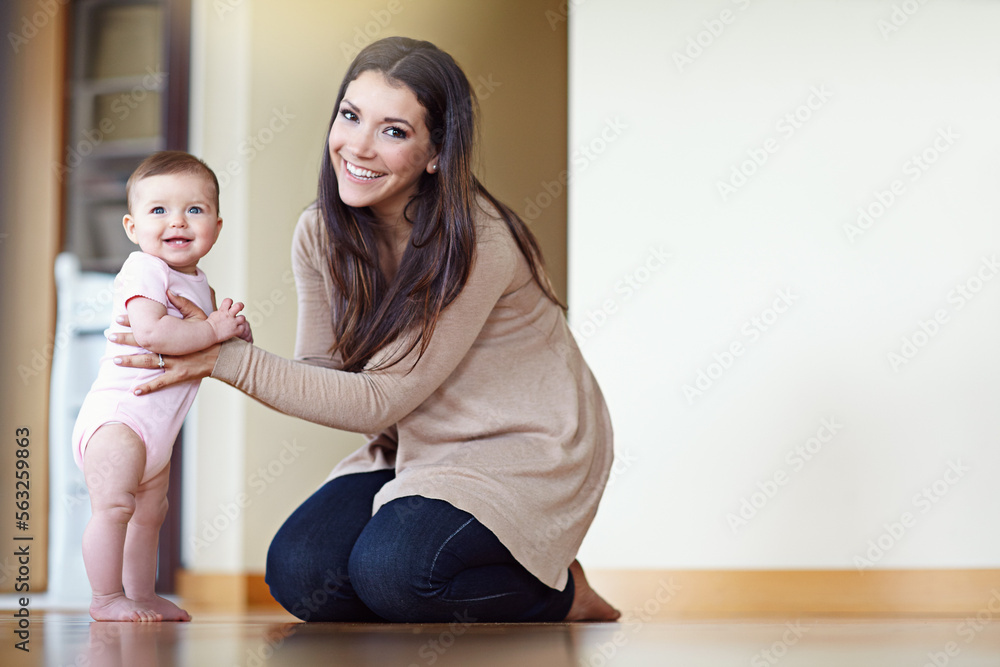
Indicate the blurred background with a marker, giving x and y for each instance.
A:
(775, 223)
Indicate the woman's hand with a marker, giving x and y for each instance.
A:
(192, 366)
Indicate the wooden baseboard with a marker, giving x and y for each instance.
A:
(216, 591)
(224, 591)
(677, 594)
(761, 593)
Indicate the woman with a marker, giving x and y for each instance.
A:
(426, 319)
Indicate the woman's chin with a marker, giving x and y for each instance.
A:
(353, 200)
(350, 195)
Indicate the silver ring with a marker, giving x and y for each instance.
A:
(161, 364)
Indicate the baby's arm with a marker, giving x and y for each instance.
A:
(159, 332)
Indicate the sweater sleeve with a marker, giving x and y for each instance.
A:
(314, 337)
(372, 400)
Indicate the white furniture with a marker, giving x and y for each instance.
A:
(84, 312)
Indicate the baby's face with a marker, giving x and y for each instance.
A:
(174, 218)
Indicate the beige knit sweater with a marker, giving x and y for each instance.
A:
(501, 417)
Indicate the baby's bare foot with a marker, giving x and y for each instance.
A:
(167, 609)
(120, 608)
(587, 604)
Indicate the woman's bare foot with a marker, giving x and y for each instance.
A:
(587, 604)
(167, 609)
(120, 608)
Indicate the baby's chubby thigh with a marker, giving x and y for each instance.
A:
(113, 467)
(157, 419)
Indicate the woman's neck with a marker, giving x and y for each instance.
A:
(392, 232)
(391, 239)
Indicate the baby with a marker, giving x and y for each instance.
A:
(122, 441)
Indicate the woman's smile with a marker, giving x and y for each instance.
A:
(361, 173)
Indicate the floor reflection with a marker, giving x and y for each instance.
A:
(259, 640)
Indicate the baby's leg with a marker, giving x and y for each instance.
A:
(113, 466)
(139, 568)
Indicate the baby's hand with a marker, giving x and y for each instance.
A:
(227, 322)
(245, 332)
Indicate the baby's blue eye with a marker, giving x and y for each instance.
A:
(158, 210)
(195, 210)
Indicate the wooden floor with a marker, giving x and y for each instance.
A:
(257, 639)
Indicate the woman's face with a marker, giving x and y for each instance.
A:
(380, 145)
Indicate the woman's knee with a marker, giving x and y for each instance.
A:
(392, 565)
(384, 579)
(305, 583)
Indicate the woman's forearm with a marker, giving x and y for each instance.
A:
(354, 402)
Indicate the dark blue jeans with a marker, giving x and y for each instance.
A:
(418, 560)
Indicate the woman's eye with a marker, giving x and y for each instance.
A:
(195, 210)
(159, 210)
(348, 114)
(396, 133)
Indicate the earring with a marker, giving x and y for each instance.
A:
(434, 168)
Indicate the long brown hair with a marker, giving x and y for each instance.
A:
(369, 312)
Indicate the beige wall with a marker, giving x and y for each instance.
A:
(28, 241)
(270, 71)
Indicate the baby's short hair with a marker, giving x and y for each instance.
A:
(171, 162)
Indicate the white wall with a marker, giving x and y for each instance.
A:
(888, 83)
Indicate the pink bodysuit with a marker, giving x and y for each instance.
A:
(156, 417)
